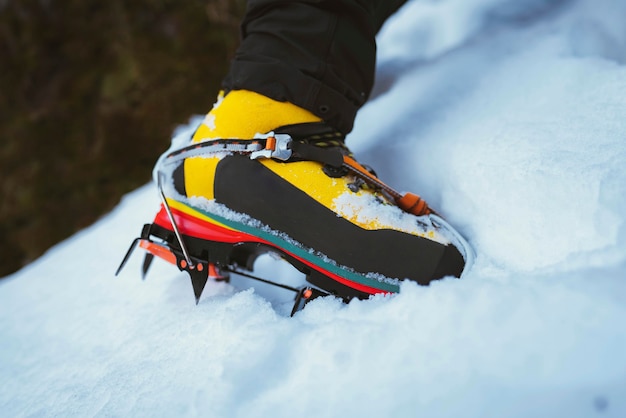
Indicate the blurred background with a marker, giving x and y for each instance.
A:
(90, 93)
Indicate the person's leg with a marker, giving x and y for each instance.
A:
(319, 55)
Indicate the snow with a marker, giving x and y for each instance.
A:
(508, 117)
(366, 209)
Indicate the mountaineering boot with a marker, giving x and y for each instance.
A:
(260, 175)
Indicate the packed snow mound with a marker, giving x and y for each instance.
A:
(508, 118)
(527, 121)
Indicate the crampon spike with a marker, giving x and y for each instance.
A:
(127, 256)
(199, 275)
(304, 296)
(147, 261)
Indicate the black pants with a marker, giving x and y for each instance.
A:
(317, 54)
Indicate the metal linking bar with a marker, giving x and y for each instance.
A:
(179, 237)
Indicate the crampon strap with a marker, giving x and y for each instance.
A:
(282, 147)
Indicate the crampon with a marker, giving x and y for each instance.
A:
(210, 245)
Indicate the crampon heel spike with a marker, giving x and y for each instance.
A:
(127, 256)
(147, 261)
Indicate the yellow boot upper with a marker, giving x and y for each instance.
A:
(242, 114)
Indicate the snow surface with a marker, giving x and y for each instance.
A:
(509, 116)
